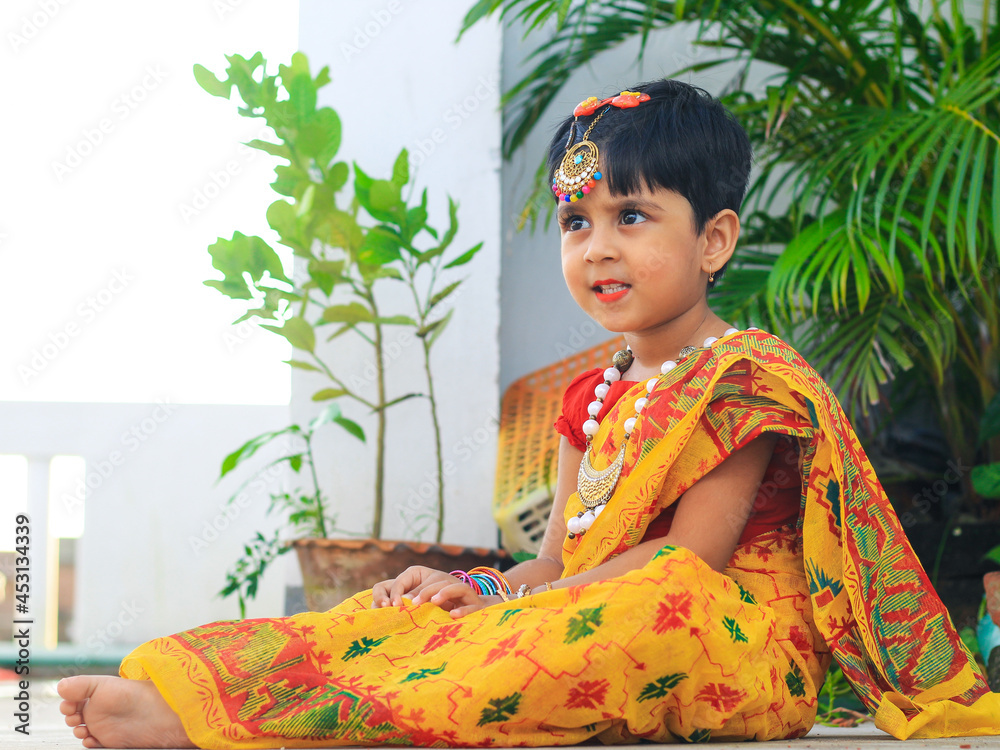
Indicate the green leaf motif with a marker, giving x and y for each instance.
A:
(699, 735)
(733, 628)
(584, 623)
(500, 709)
(746, 596)
(795, 682)
(423, 674)
(362, 647)
(661, 687)
(508, 613)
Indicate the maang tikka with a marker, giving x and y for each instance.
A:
(577, 173)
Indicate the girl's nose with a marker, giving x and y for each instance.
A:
(603, 246)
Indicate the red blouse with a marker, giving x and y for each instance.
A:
(777, 502)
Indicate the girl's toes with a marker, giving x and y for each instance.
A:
(73, 720)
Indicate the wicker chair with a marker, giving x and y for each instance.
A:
(529, 447)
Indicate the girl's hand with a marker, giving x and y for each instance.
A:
(457, 598)
(409, 583)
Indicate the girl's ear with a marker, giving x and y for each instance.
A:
(721, 233)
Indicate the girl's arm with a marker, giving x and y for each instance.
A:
(709, 521)
(548, 566)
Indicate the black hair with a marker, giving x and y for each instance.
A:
(682, 139)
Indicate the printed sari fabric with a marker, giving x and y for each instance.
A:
(671, 651)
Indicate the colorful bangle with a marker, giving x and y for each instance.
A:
(497, 578)
(484, 585)
(462, 576)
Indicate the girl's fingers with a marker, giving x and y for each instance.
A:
(406, 581)
(428, 590)
(455, 594)
(380, 594)
(467, 609)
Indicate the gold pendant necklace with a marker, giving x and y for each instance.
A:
(595, 487)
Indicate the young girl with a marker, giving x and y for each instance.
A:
(718, 534)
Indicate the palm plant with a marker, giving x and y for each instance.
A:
(874, 224)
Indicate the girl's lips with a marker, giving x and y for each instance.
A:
(610, 291)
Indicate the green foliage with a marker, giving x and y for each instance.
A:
(305, 511)
(344, 247)
(994, 555)
(986, 477)
(836, 703)
(873, 226)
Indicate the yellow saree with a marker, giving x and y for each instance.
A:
(671, 651)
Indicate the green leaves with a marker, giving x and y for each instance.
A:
(347, 245)
(244, 255)
(207, 80)
(986, 480)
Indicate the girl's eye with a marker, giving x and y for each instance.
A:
(632, 216)
(575, 223)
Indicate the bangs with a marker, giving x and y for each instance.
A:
(680, 140)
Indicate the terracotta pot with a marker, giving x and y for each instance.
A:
(335, 569)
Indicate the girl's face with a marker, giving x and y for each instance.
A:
(634, 263)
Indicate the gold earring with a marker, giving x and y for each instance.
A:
(711, 274)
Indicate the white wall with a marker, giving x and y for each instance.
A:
(157, 537)
(399, 80)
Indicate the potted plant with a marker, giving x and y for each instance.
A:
(343, 249)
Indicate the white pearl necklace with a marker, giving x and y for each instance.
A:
(578, 524)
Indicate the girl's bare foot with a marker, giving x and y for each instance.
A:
(112, 712)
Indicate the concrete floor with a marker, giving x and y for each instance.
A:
(49, 731)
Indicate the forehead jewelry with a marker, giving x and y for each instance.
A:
(577, 174)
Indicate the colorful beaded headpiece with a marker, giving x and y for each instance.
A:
(577, 173)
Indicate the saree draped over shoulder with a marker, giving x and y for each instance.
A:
(670, 651)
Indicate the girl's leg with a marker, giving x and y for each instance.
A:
(112, 712)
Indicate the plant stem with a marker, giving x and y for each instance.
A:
(948, 526)
(423, 313)
(380, 437)
(437, 440)
(320, 514)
